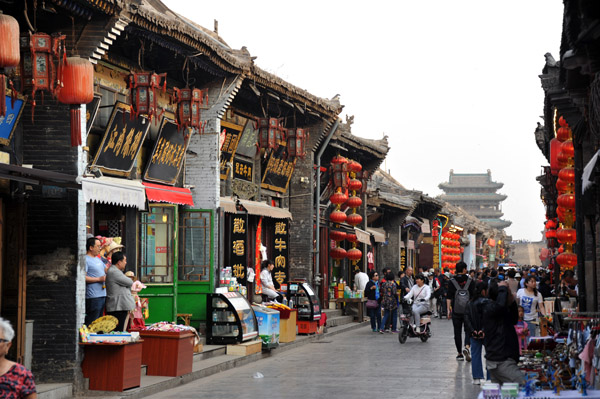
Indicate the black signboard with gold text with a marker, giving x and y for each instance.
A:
(280, 272)
(239, 246)
(402, 258)
(242, 169)
(166, 160)
(278, 171)
(232, 137)
(122, 141)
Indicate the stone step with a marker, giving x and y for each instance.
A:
(332, 312)
(339, 320)
(209, 351)
(54, 391)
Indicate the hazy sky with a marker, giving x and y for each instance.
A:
(453, 84)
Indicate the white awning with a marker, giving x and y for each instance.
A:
(362, 236)
(255, 208)
(378, 234)
(114, 191)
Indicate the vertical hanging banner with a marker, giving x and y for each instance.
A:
(280, 253)
(436, 253)
(239, 244)
(403, 258)
(258, 258)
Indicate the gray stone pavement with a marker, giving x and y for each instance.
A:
(355, 364)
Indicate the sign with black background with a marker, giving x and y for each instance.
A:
(402, 258)
(280, 272)
(238, 246)
(247, 145)
(278, 171)
(243, 170)
(232, 137)
(122, 141)
(166, 160)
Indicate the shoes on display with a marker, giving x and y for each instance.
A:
(460, 357)
(467, 353)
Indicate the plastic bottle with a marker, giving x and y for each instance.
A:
(285, 301)
(291, 303)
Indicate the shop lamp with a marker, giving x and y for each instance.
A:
(189, 104)
(296, 142)
(340, 175)
(142, 86)
(269, 132)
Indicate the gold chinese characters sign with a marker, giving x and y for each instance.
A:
(167, 156)
(280, 252)
(238, 254)
(122, 141)
(278, 171)
(233, 134)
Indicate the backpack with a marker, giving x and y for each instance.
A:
(461, 297)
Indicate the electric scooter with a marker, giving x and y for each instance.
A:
(406, 328)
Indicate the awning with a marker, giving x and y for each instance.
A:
(171, 195)
(425, 227)
(37, 176)
(111, 190)
(362, 236)
(378, 234)
(255, 208)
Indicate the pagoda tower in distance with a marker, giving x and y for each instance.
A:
(476, 194)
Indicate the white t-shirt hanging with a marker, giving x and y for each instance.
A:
(529, 302)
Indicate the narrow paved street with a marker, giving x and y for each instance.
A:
(356, 364)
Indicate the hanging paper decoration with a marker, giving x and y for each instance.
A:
(42, 64)
(77, 88)
(296, 142)
(565, 210)
(142, 88)
(450, 249)
(9, 54)
(338, 180)
(354, 203)
(190, 102)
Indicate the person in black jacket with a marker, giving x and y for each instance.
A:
(474, 327)
(500, 314)
(458, 319)
(372, 294)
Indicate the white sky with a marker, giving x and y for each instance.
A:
(454, 84)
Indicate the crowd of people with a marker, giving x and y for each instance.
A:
(493, 310)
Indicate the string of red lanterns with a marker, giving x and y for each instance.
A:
(339, 197)
(565, 234)
(354, 202)
(450, 249)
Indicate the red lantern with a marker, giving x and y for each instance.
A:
(563, 186)
(565, 215)
(354, 219)
(354, 166)
(563, 159)
(566, 236)
(142, 86)
(296, 139)
(354, 185)
(551, 233)
(337, 253)
(269, 132)
(567, 174)
(550, 224)
(337, 235)
(566, 201)
(339, 173)
(190, 102)
(568, 148)
(562, 122)
(354, 202)
(337, 217)
(351, 237)
(9, 53)
(567, 259)
(338, 198)
(354, 254)
(77, 88)
(563, 134)
(561, 249)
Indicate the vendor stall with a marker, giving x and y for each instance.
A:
(231, 319)
(302, 297)
(268, 326)
(168, 349)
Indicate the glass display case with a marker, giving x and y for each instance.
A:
(305, 300)
(230, 319)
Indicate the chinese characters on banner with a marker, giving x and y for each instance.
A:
(232, 137)
(166, 160)
(436, 252)
(239, 243)
(122, 141)
(402, 258)
(242, 170)
(258, 258)
(280, 253)
(278, 171)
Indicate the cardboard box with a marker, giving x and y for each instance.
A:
(245, 348)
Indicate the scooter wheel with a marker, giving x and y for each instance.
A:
(424, 337)
(403, 335)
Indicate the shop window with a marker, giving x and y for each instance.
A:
(195, 246)
(156, 245)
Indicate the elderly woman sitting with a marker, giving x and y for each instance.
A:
(15, 380)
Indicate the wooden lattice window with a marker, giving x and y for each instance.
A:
(195, 246)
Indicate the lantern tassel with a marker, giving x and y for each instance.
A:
(75, 125)
(2, 95)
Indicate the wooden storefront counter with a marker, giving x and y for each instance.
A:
(112, 366)
(168, 353)
(287, 326)
(359, 305)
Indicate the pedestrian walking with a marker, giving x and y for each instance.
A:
(373, 295)
(532, 302)
(95, 276)
(460, 290)
(501, 344)
(119, 301)
(389, 302)
(15, 380)
(474, 326)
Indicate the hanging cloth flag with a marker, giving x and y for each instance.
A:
(587, 172)
(258, 257)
